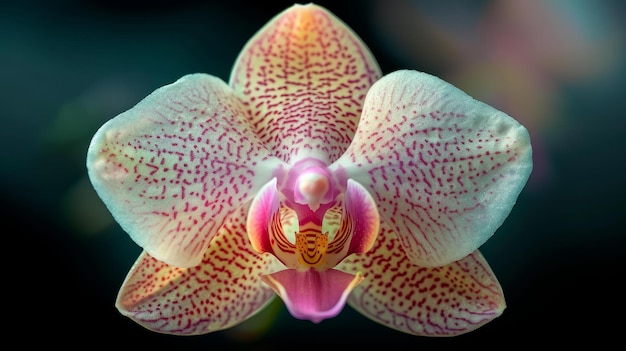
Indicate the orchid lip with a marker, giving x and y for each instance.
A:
(311, 294)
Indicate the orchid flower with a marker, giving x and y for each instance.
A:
(312, 177)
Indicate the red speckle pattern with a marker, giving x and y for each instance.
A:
(442, 301)
(173, 167)
(444, 169)
(221, 292)
(304, 77)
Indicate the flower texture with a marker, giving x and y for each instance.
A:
(310, 177)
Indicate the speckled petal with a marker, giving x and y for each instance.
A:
(442, 301)
(224, 290)
(444, 169)
(304, 76)
(174, 166)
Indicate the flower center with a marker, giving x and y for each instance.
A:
(311, 246)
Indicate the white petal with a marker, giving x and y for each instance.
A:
(444, 169)
(174, 166)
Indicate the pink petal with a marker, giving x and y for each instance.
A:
(265, 229)
(263, 208)
(360, 209)
(311, 294)
(442, 301)
(304, 77)
(444, 169)
(224, 290)
(174, 166)
(359, 225)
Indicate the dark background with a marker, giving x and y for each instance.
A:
(557, 66)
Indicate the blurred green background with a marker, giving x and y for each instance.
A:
(557, 66)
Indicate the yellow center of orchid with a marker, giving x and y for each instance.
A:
(311, 247)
